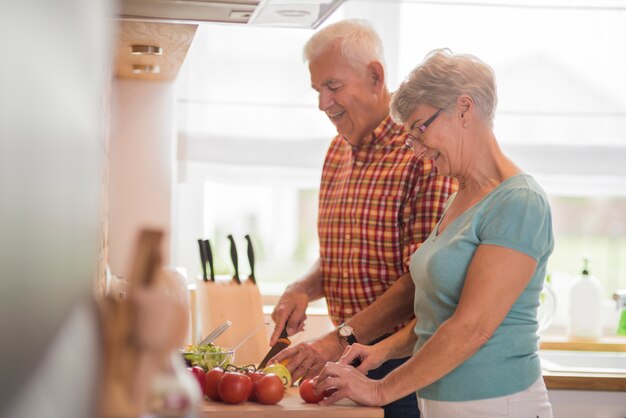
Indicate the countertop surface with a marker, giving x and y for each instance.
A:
(608, 343)
(584, 380)
(292, 406)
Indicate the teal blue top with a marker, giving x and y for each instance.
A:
(515, 215)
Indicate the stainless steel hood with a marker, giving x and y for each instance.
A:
(285, 13)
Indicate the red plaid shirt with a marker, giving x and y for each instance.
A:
(377, 204)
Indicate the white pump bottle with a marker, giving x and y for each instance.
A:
(585, 306)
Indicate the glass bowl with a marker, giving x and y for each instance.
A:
(209, 360)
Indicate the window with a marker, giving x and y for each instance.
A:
(252, 142)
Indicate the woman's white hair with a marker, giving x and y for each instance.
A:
(356, 39)
(440, 79)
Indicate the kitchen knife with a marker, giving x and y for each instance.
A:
(209, 257)
(251, 259)
(233, 257)
(282, 343)
(202, 259)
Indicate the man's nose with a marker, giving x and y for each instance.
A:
(324, 101)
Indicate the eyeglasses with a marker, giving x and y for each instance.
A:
(412, 138)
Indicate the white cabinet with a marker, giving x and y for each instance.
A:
(587, 404)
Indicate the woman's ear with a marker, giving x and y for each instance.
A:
(376, 73)
(465, 104)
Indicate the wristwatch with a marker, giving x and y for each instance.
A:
(346, 332)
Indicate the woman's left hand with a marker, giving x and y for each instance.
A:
(348, 383)
(369, 356)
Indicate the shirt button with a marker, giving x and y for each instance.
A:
(348, 236)
(359, 163)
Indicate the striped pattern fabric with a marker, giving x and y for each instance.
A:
(377, 203)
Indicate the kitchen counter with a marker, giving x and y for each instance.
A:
(608, 343)
(292, 406)
(584, 380)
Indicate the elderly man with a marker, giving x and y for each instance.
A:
(377, 202)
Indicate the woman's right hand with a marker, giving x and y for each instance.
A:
(369, 356)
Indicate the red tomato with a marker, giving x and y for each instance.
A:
(254, 377)
(200, 376)
(234, 387)
(307, 393)
(212, 380)
(269, 389)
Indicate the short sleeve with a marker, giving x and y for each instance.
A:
(520, 219)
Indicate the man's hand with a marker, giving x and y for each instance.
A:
(307, 359)
(290, 310)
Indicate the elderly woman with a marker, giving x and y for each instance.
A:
(477, 278)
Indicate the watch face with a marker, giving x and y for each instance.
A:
(345, 330)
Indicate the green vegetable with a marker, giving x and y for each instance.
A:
(207, 356)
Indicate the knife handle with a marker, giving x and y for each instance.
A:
(202, 259)
(251, 259)
(209, 257)
(283, 334)
(233, 257)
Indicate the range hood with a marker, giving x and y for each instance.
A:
(276, 13)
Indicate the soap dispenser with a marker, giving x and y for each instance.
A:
(585, 305)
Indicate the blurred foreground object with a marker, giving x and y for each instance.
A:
(140, 335)
(51, 155)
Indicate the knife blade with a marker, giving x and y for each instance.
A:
(233, 257)
(282, 343)
(209, 257)
(251, 259)
(202, 259)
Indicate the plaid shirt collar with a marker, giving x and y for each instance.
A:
(379, 137)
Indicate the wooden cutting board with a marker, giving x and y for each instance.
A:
(225, 300)
(292, 406)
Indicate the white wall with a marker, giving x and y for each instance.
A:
(141, 165)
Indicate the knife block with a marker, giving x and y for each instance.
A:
(222, 301)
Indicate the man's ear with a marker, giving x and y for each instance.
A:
(376, 73)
